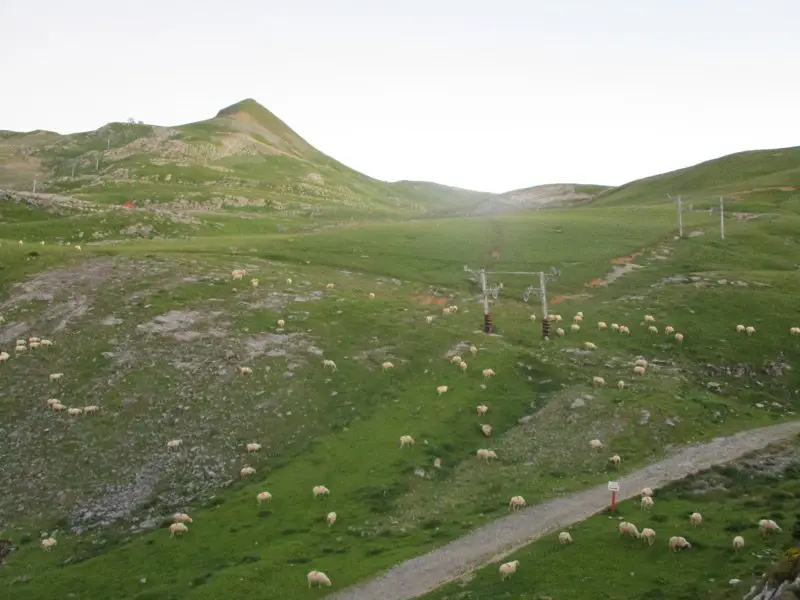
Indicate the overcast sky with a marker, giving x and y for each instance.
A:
(490, 95)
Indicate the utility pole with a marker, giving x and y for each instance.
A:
(680, 215)
(34, 186)
(97, 162)
(73, 169)
(544, 277)
(486, 290)
(108, 144)
(722, 217)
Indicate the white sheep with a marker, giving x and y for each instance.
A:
(640, 362)
(52, 401)
(738, 543)
(740, 328)
(437, 463)
(319, 578)
(589, 346)
(649, 535)
(74, 412)
(750, 330)
(57, 406)
(281, 323)
(624, 330)
(20, 349)
(487, 430)
(442, 389)
(174, 444)
(48, 543)
(598, 381)
(626, 528)
(46, 343)
(330, 286)
(577, 319)
(646, 491)
(579, 313)
(516, 503)
(679, 337)
(33, 345)
(4, 356)
(253, 447)
(247, 472)
(331, 518)
(564, 537)
(386, 366)
(638, 370)
(533, 317)
(446, 312)
(695, 519)
(320, 490)
(560, 332)
(614, 327)
(245, 370)
(56, 376)
(595, 444)
(462, 365)
(574, 327)
(263, 497)
(794, 331)
(488, 373)
(615, 460)
(429, 319)
(288, 281)
(652, 329)
(456, 359)
(406, 440)
(768, 526)
(329, 363)
(371, 296)
(482, 408)
(238, 273)
(486, 454)
(602, 325)
(78, 247)
(181, 518)
(177, 529)
(649, 319)
(678, 543)
(254, 282)
(647, 502)
(621, 384)
(508, 568)
(669, 330)
(473, 350)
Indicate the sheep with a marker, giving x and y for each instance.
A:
(2, 319)
(20, 242)
(254, 282)
(579, 313)
(57, 406)
(649, 319)
(638, 370)
(177, 529)
(92, 408)
(560, 332)
(669, 330)
(740, 329)
(647, 503)
(77, 247)
(574, 327)
(329, 363)
(456, 359)
(181, 518)
(595, 444)
(614, 327)
(602, 325)
(750, 330)
(4, 356)
(330, 286)
(486, 454)
(446, 312)
(263, 497)
(56, 376)
(245, 370)
(319, 578)
(533, 317)
(695, 519)
(482, 408)
(47, 543)
(768, 526)
(473, 350)
(738, 543)
(564, 537)
(253, 447)
(33, 345)
(74, 412)
(516, 503)
(281, 323)
(238, 273)
(488, 373)
(247, 472)
(506, 569)
(577, 319)
(288, 281)
(331, 518)
(615, 460)
(649, 535)
(624, 330)
(640, 362)
(442, 389)
(647, 491)
(589, 346)
(794, 331)
(320, 490)
(598, 381)
(371, 296)
(621, 384)
(626, 528)
(406, 440)
(678, 543)
(46, 343)
(429, 319)
(20, 349)
(652, 329)
(463, 366)
(52, 401)
(487, 430)
(386, 366)
(558, 318)
(679, 337)
(437, 463)
(174, 444)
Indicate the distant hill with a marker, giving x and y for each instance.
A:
(540, 196)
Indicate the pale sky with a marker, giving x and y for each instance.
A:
(491, 95)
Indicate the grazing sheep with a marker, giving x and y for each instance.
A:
(371, 296)
(20, 349)
(678, 543)
(488, 373)
(558, 318)
(330, 286)
(406, 440)
(533, 317)
(320, 490)
(506, 569)
(695, 519)
(77, 247)
(640, 362)
(288, 281)
(621, 384)
(329, 363)
(648, 535)
(602, 325)
(652, 329)
(740, 329)
(92, 408)
(577, 319)
(177, 529)
(263, 497)
(574, 327)
(768, 526)
(564, 537)
(281, 323)
(20, 242)
(482, 408)
(238, 273)
(794, 331)
(74, 412)
(516, 503)
(456, 359)
(429, 319)
(245, 370)
(598, 381)
(437, 463)
(52, 401)
(750, 330)
(596, 444)
(253, 447)
(473, 350)
(649, 319)
(254, 282)
(738, 543)
(647, 491)
(679, 337)
(615, 460)
(4, 356)
(561, 332)
(614, 327)
(181, 518)
(386, 366)
(331, 518)
(638, 370)
(48, 543)
(442, 389)
(319, 578)
(46, 343)
(624, 330)
(56, 376)
(589, 346)
(486, 454)
(33, 345)
(57, 406)
(247, 472)
(446, 312)
(462, 365)
(626, 528)
(174, 444)
(647, 503)
(487, 430)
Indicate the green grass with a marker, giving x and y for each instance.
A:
(601, 564)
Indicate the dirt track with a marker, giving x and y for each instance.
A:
(423, 574)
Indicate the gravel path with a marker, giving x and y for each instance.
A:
(425, 573)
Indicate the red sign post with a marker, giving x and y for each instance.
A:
(613, 487)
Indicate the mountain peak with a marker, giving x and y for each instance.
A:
(248, 105)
